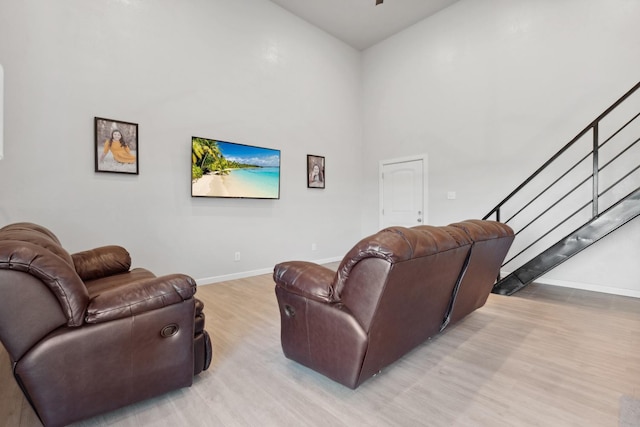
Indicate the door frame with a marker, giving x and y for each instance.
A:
(425, 187)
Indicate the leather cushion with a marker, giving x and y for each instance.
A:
(140, 297)
(37, 237)
(101, 262)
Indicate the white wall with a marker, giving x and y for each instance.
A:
(490, 90)
(1, 111)
(244, 71)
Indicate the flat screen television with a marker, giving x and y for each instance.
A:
(228, 169)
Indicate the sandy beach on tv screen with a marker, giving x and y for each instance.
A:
(214, 185)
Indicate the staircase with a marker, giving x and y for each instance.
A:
(587, 190)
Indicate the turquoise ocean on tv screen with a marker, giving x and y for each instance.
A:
(264, 182)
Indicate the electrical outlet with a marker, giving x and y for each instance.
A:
(236, 256)
(451, 195)
(314, 247)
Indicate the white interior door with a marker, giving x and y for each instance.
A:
(403, 187)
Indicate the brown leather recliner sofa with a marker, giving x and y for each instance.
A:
(85, 334)
(391, 292)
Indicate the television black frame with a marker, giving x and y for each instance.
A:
(253, 146)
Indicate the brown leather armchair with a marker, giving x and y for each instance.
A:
(86, 334)
(391, 292)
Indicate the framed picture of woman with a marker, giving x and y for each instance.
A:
(116, 146)
(315, 171)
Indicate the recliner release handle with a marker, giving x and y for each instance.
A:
(289, 311)
(169, 330)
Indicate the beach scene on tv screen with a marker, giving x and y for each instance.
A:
(227, 169)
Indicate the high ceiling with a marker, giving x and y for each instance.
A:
(360, 23)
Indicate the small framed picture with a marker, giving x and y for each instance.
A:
(116, 146)
(315, 171)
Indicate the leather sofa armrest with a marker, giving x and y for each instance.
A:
(101, 262)
(306, 279)
(140, 297)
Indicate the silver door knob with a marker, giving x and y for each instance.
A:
(419, 219)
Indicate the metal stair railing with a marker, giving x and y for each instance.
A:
(594, 171)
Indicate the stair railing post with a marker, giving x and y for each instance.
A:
(595, 212)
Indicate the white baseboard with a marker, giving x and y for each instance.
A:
(552, 282)
(584, 286)
(588, 287)
(251, 273)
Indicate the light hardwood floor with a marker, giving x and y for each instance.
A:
(546, 356)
